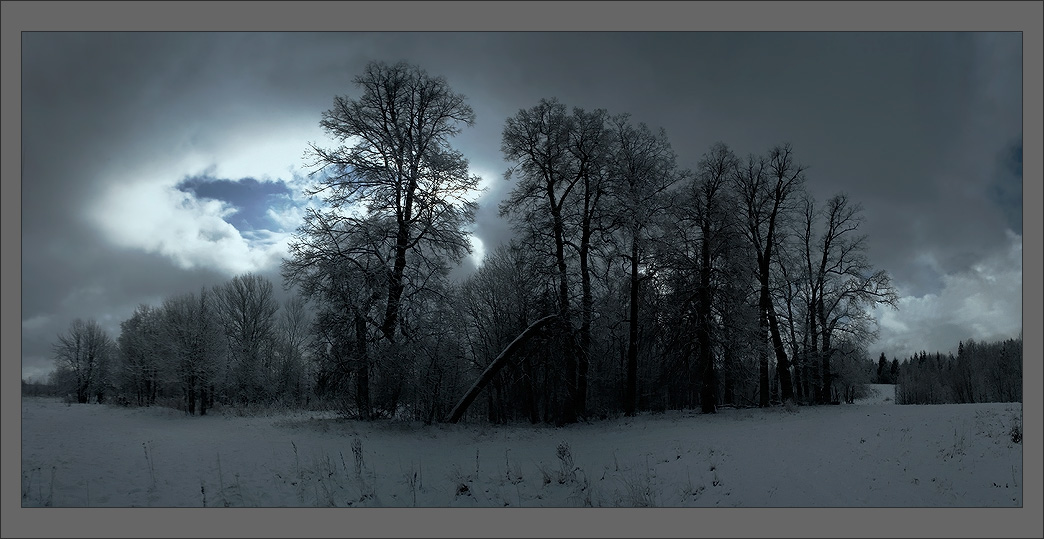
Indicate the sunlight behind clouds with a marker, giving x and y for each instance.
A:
(138, 210)
(478, 250)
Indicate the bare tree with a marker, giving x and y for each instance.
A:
(246, 307)
(194, 349)
(337, 263)
(292, 328)
(398, 200)
(842, 286)
(537, 142)
(709, 210)
(643, 171)
(139, 353)
(81, 356)
(589, 146)
(399, 167)
(765, 186)
(496, 304)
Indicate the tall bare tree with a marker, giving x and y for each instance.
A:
(537, 142)
(590, 146)
(710, 212)
(398, 200)
(766, 186)
(842, 285)
(643, 170)
(81, 357)
(192, 336)
(139, 353)
(395, 163)
(246, 307)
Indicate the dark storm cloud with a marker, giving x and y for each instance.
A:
(1006, 189)
(920, 128)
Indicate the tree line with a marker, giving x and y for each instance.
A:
(980, 372)
(631, 284)
(230, 344)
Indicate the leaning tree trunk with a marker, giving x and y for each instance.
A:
(495, 367)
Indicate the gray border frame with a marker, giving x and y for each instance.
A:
(18, 16)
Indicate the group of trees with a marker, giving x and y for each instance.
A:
(980, 372)
(631, 284)
(652, 286)
(225, 344)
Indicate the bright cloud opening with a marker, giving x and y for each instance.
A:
(158, 218)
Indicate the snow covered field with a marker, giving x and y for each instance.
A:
(871, 454)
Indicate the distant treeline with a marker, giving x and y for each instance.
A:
(980, 372)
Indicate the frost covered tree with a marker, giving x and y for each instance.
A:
(194, 348)
(245, 307)
(643, 170)
(397, 201)
(395, 164)
(536, 141)
(82, 358)
(140, 355)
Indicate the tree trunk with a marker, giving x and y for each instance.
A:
(631, 389)
(362, 379)
(827, 379)
(583, 357)
(564, 319)
(395, 288)
(786, 385)
(708, 390)
(763, 370)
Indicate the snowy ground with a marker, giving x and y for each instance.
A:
(871, 454)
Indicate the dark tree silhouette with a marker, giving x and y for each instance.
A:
(765, 187)
(400, 167)
(81, 355)
(643, 170)
(398, 202)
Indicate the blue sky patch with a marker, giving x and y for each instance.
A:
(251, 199)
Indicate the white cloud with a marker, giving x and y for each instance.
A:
(983, 303)
(156, 217)
(248, 153)
(138, 209)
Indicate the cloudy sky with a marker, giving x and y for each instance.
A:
(157, 163)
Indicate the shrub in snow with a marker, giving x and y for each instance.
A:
(565, 457)
(1016, 431)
